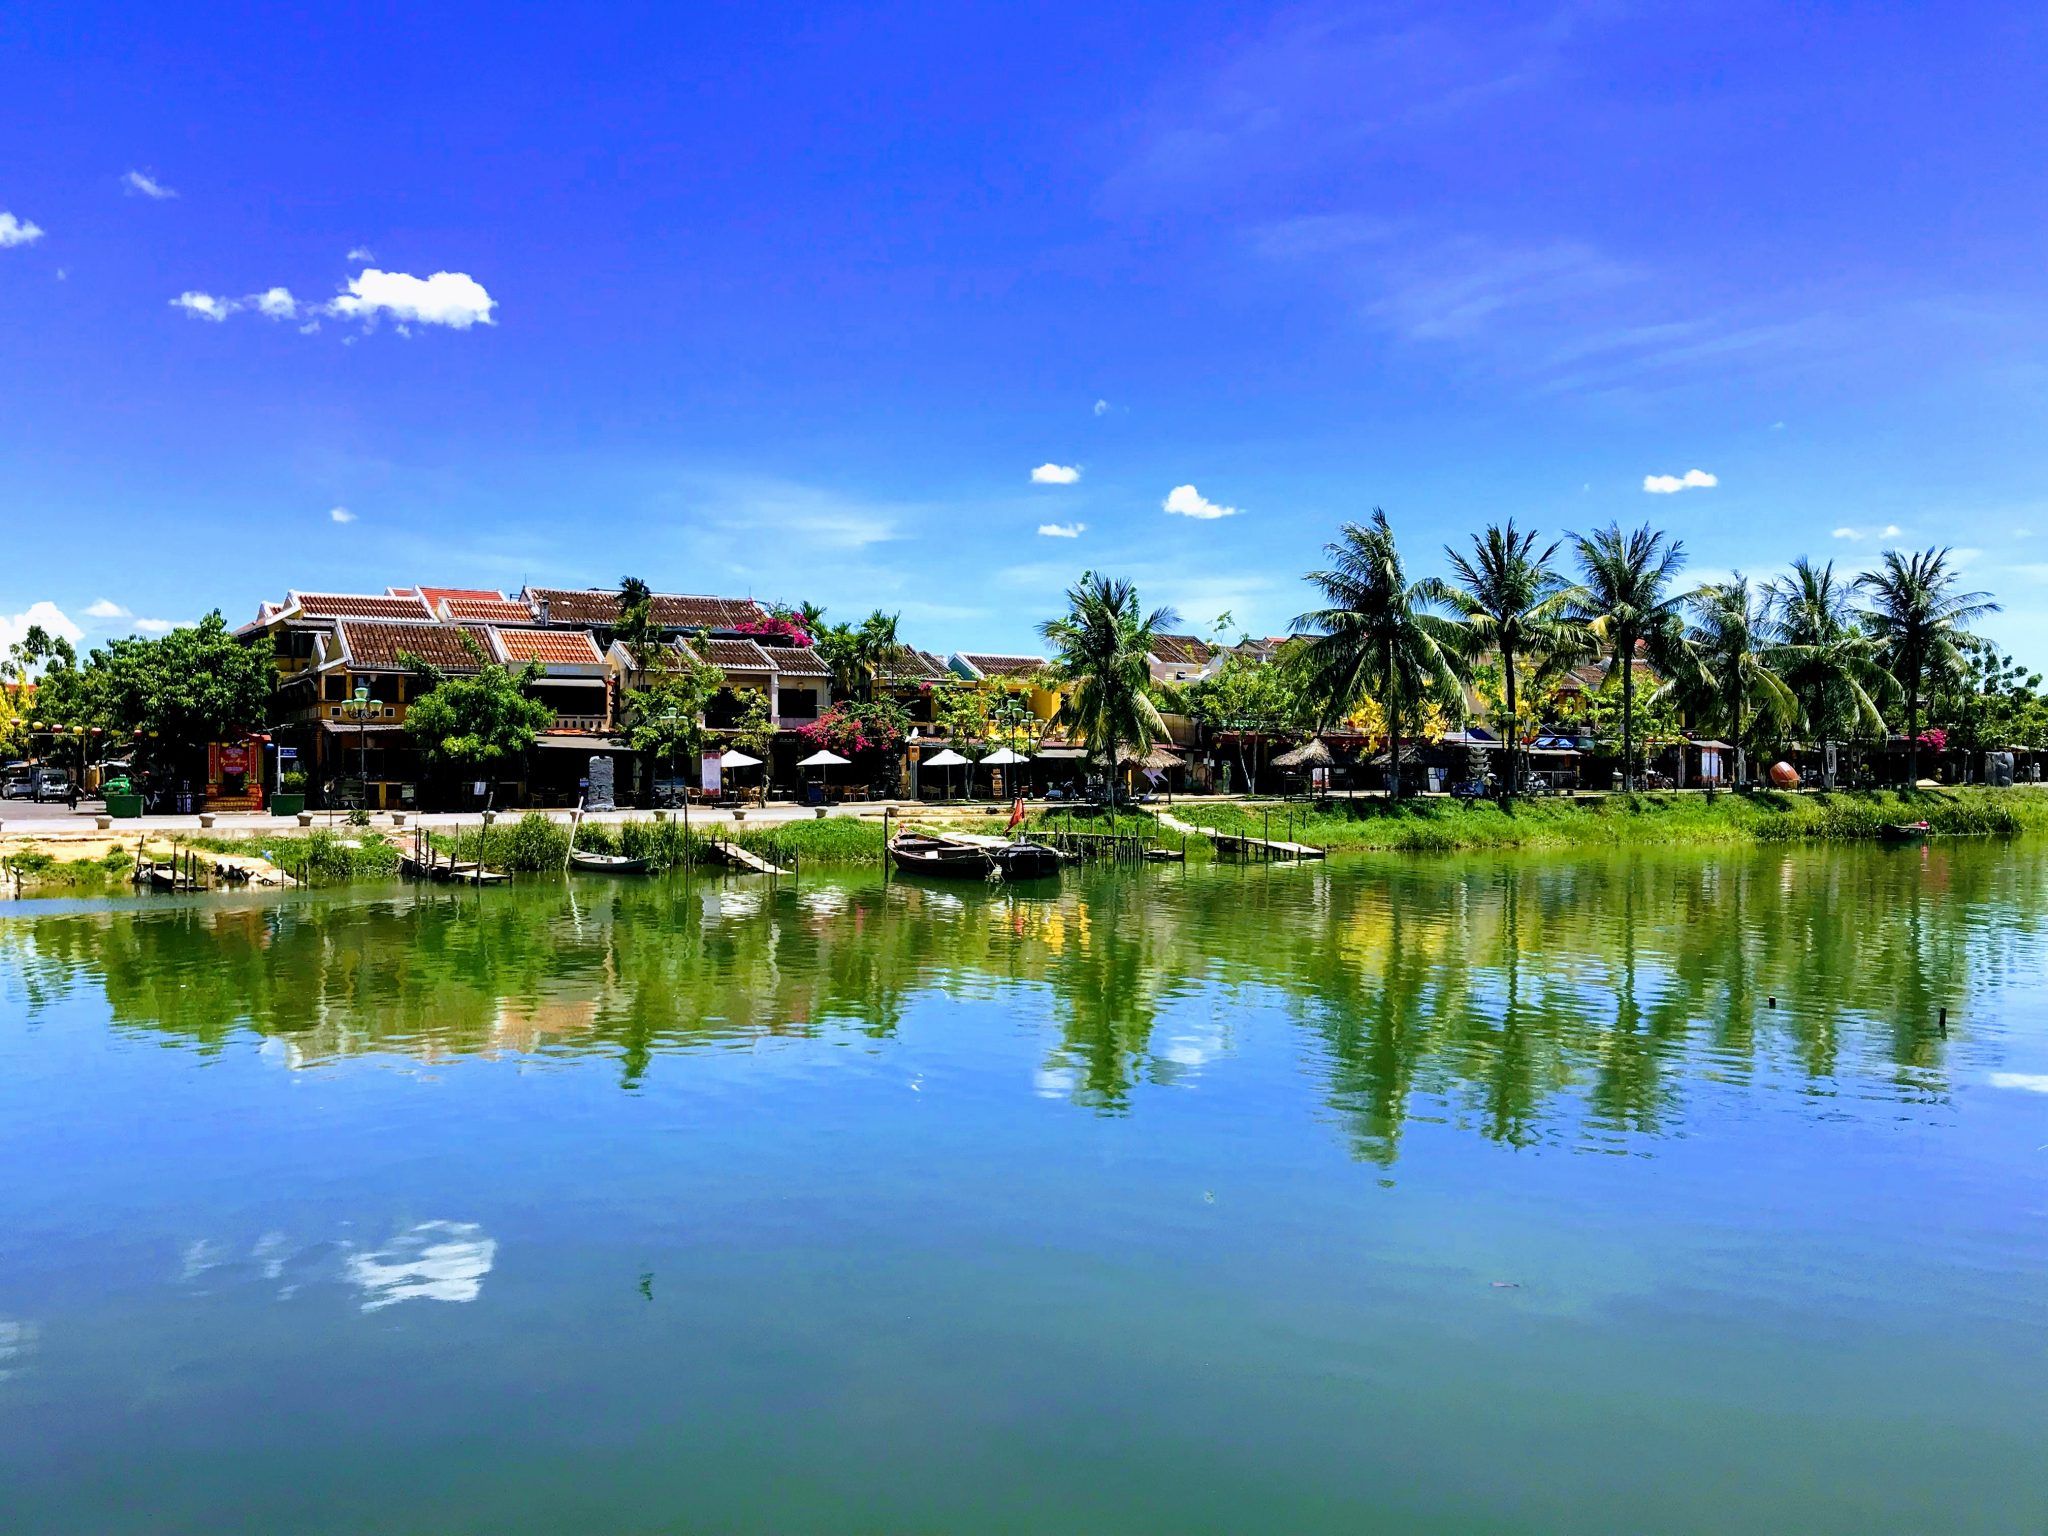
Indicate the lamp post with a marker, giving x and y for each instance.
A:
(361, 707)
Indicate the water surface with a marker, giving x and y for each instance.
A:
(1487, 1195)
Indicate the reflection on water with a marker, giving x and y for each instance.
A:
(1628, 1194)
(1521, 998)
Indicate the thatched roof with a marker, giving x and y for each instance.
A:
(1161, 757)
(1313, 753)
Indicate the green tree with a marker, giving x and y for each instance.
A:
(1377, 639)
(1919, 619)
(636, 629)
(1824, 656)
(1733, 679)
(664, 716)
(1245, 698)
(477, 721)
(1627, 603)
(1514, 605)
(860, 653)
(192, 686)
(959, 713)
(1101, 645)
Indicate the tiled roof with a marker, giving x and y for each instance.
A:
(1182, 650)
(915, 667)
(729, 655)
(1004, 666)
(382, 647)
(598, 605)
(357, 605)
(436, 596)
(549, 647)
(483, 610)
(796, 661)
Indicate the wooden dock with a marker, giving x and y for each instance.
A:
(1245, 846)
(733, 856)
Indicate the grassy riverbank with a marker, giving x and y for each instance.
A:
(1437, 825)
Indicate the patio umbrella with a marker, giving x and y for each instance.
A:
(733, 757)
(822, 759)
(947, 758)
(1002, 757)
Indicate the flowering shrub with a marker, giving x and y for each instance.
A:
(850, 728)
(1934, 738)
(780, 628)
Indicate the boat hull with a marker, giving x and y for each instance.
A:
(606, 864)
(969, 861)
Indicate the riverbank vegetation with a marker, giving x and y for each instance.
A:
(1442, 825)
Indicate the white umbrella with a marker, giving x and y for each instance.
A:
(946, 758)
(822, 758)
(1002, 757)
(733, 757)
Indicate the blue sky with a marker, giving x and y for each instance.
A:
(792, 301)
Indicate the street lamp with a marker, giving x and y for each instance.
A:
(361, 708)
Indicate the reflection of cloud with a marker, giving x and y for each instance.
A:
(433, 1261)
(17, 1343)
(2026, 1082)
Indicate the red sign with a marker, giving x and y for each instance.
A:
(234, 759)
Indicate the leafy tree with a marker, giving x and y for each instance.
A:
(664, 716)
(1828, 661)
(194, 685)
(1243, 697)
(1627, 603)
(959, 713)
(1101, 645)
(1995, 702)
(476, 721)
(1733, 678)
(871, 728)
(860, 653)
(1920, 619)
(1377, 638)
(1513, 605)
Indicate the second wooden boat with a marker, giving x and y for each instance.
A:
(606, 863)
(917, 853)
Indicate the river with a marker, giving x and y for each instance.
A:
(1643, 1193)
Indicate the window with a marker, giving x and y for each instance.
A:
(796, 703)
(335, 687)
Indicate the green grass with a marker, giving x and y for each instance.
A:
(1438, 825)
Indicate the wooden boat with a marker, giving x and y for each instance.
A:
(606, 863)
(1907, 832)
(917, 853)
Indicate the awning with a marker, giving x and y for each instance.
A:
(350, 728)
(1069, 753)
(570, 741)
(1711, 746)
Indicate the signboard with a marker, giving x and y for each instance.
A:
(599, 796)
(234, 758)
(713, 771)
(288, 754)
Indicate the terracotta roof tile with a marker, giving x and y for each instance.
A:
(599, 605)
(484, 610)
(360, 605)
(915, 667)
(1182, 650)
(796, 661)
(550, 647)
(730, 655)
(383, 647)
(1003, 666)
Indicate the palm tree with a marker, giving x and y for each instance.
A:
(1827, 661)
(1919, 620)
(1734, 676)
(1627, 604)
(1512, 603)
(1377, 638)
(1101, 645)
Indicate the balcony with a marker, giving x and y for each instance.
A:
(589, 725)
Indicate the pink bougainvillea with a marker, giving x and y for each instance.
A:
(776, 627)
(1934, 738)
(848, 728)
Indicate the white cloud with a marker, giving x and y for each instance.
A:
(1102, 407)
(1857, 535)
(447, 298)
(156, 626)
(1186, 501)
(1061, 530)
(277, 303)
(1056, 474)
(1846, 533)
(1670, 485)
(341, 515)
(46, 614)
(204, 306)
(15, 231)
(360, 253)
(106, 608)
(142, 184)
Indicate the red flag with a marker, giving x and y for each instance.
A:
(1016, 814)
